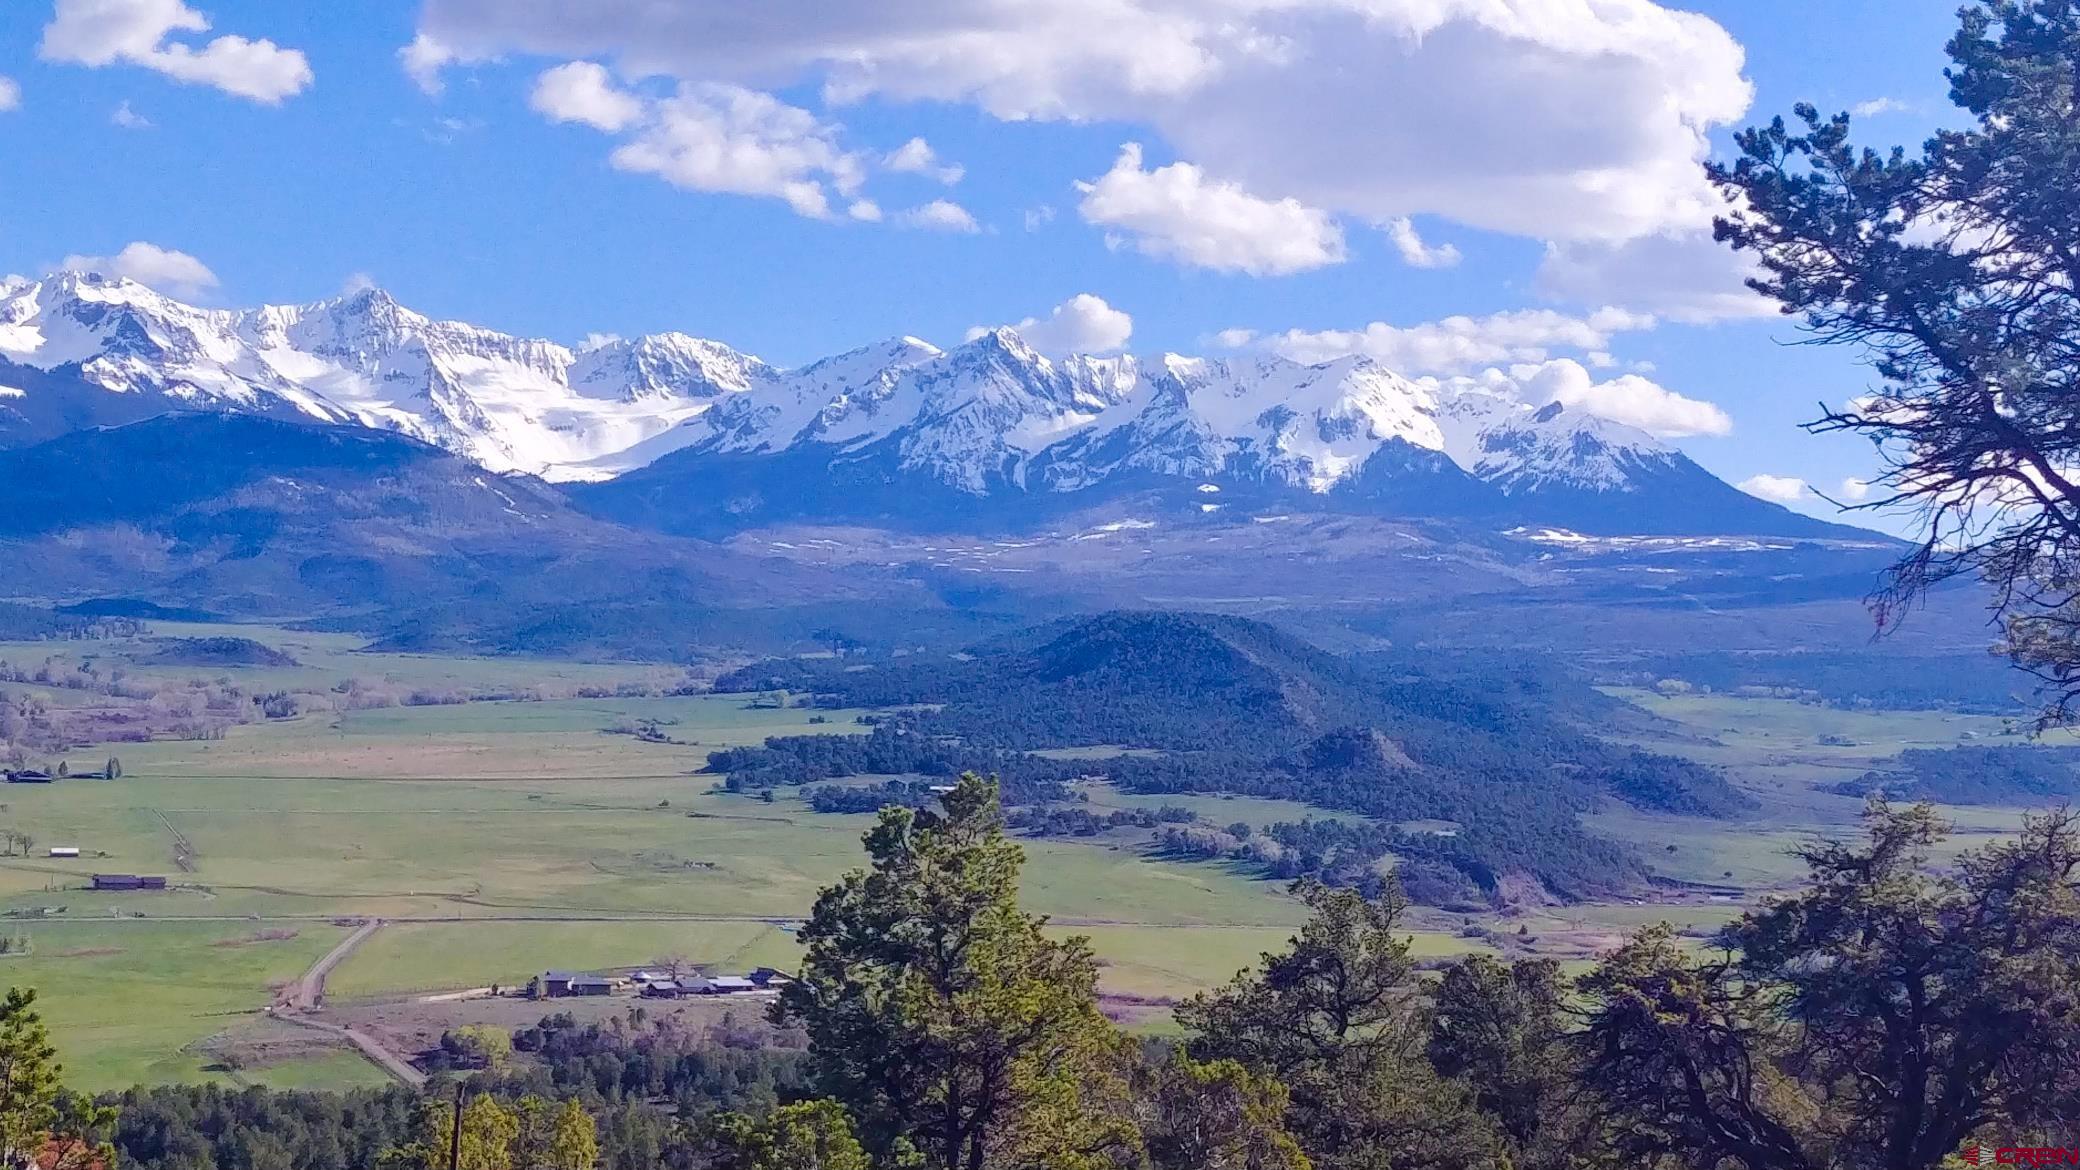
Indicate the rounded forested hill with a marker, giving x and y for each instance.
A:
(217, 651)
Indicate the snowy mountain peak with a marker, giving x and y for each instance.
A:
(663, 366)
(991, 414)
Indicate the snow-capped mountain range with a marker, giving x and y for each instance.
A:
(987, 418)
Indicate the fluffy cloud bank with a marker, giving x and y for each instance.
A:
(1518, 353)
(1082, 324)
(1783, 489)
(1627, 398)
(940, 215)
(1559, 120)
(161, 268)
(1456, 345)
(98, 33)
(1176, 212)
(710, 137)
(1683, 276)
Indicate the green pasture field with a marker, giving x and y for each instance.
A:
(336, 1070)
(125, 1000)
(324, 659)
(495, 839)
(1772, 749)
(1169, 963)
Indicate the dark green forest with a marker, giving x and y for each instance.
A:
(1236, 706)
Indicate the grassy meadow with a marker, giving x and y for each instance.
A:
(130, 1001)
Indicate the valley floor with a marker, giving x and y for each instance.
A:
(494, 840)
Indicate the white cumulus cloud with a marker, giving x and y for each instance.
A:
(426, 59)
(1784, 489)
(1627, 398)
(1178, 213)
(1856, 490)
(1682, 275)
(584, 92)
(1415, 251)
(940, 215)
(128, 118)
(712, 137)
(917, 157)
(1876, 106)
(1084, 323)
(149, 264)
(98, 33)
(10, 94)
(1461, 344)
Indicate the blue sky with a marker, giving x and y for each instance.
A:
(562, 167)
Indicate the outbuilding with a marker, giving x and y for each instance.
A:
(723, 985)
(64, 851)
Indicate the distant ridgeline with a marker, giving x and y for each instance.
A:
(1235, 706)
(1974, 682)
(26, 623)
(1974, 775)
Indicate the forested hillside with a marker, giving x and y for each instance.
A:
(1224, 704)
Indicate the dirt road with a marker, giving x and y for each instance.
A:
(307, 993)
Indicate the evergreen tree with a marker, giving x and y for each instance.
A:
(29, 1086)
(1953, 271)
(1502, 1029)
(1214, 1116)
(489, 1135)
(1335, 1019)
(808, 1135)
(1883, 1017)
(547, 1136)
(574, 1143)
(943, 1017)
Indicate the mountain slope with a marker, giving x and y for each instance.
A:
(255, 516)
